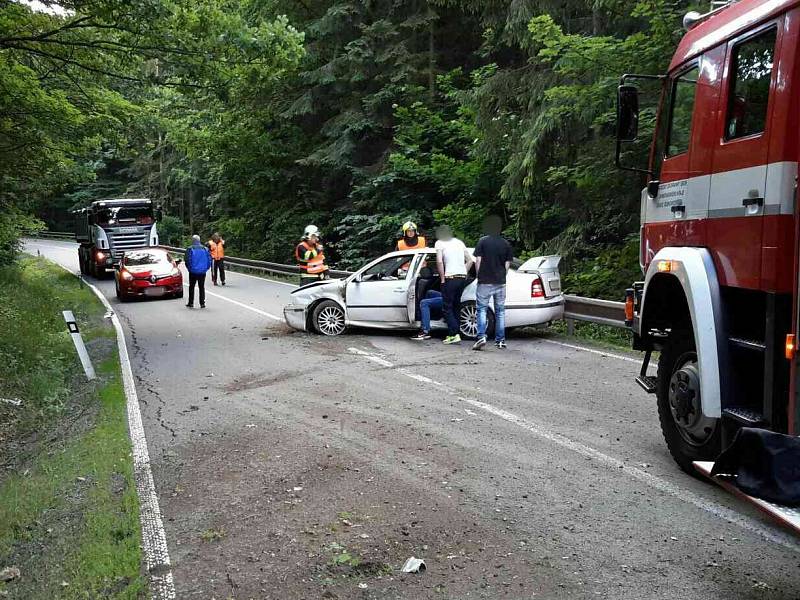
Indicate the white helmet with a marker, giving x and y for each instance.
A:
(311, 230)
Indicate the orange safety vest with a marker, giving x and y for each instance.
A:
(217, 250)
(403, 245)
(312, 259)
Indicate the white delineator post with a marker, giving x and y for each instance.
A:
(72, 326)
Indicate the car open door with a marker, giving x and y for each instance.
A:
(379, 293)
(414, 288)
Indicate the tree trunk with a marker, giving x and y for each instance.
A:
(431, 54)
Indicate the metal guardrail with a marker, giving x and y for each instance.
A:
(262, 265)
(56, 235)
(576, 308)
(593, 310)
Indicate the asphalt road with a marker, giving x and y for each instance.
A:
(295, 466)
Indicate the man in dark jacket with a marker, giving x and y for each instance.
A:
(198, 262)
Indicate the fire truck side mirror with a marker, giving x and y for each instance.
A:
(627, 113)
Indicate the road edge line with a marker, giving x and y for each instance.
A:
(154, 538)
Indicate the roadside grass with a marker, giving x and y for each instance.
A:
(68, 505)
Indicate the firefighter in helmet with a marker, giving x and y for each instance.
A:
(311, 257)
(411, 239)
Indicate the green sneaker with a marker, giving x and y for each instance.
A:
(452, 339)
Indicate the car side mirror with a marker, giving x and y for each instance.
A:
(178, 261)
(627, 113)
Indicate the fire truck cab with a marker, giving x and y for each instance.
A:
(719, 228)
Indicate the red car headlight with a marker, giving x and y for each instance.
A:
(125, 275)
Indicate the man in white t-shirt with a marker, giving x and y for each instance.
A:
(453, 262)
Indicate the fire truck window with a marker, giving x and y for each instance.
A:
(680, 128)
(749, 91)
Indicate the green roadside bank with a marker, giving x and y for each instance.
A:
(69, 524)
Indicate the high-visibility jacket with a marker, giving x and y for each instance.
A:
(310, 258)
(217, 249)
(403, 245)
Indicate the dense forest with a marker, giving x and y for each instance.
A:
(257, 117)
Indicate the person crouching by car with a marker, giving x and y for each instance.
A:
(216, 246)
(310, 257)
(198, 262)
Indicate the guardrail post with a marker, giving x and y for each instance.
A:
(570, 326)
(72, 326)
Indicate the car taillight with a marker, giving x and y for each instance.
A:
(537, 290)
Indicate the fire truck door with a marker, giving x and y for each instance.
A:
(737, 203)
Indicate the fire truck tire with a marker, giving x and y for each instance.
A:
(690, 435)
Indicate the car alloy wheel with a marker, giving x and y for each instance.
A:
(468, 319)
(330, 319)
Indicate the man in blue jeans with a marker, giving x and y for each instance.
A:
(432, 302)
(493, 256)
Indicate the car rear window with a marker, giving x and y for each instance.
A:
(137, 259)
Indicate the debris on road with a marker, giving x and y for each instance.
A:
(471, 413)
(10, 574)
(414, 565)
(11, 401)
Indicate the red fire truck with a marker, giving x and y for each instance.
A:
(719, 230)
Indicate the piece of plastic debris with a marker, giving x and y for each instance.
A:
(11, 401)
(470, 412)
(363, 586)
(298, 488)
(9, 574)
(414, 565)
(456, 420)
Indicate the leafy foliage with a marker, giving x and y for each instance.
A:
(259, 117)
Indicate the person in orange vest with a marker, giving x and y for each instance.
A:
(310, 256)
(216, 245)
(411, 240)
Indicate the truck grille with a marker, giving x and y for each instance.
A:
(122, 242)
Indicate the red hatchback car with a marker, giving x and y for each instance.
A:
(148, 272)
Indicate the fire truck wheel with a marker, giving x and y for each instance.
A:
(690, 435)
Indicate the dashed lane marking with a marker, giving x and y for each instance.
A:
(653, 481)
(154, 538)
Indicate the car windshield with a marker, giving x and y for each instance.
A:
(139, 259)
(125, 215)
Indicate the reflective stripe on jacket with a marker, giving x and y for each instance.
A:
(310, 258)
(403, 245)
(217, 249)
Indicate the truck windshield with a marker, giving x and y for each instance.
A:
(125, 215)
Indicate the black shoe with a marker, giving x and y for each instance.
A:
(223, 283)
(422, 335)
(501, 345)
(202, 306)
(190, 306)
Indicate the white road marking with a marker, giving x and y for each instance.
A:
(154, 538)
(242, 305)
(593, 351)
(539, 430)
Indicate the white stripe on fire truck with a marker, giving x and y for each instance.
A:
(720, 195)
